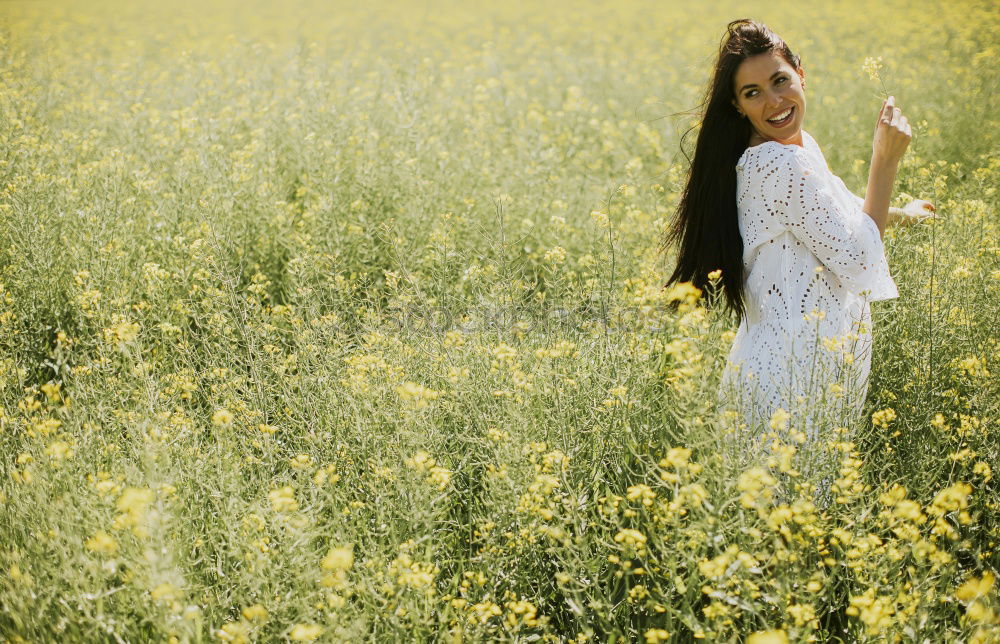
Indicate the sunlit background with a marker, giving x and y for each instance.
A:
(344, 321)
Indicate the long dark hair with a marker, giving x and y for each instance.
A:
(706, 225)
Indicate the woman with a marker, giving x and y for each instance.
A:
(800, 256)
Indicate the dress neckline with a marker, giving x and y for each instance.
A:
(739, 162)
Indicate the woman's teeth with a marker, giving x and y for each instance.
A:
(781, 118)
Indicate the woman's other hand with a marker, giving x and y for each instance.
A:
(912, 213)
(892, 134)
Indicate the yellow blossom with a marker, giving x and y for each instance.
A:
(978, 611)
(133, 505)
(975, 588)
(642, 493)
(121, 333)
(255, 613)
(222, 417)
(872, 66)
(59, 450)
(416, 395)
(677, 457)
(305, 632)
(883, 417)
(102, 543)
(421, 461)
(440, 477)
(779, 419)
(555, 255)
(632, 538)
(338, 558)
(235, 632)
(51, 391)
(283, 499)
(755, 483)
(777, 636)
(302, 462)
(656, 635)
(953, 497)
(165, 591)
(684, 292)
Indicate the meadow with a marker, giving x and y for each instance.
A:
(346, 322)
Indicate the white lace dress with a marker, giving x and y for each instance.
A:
(812, 260)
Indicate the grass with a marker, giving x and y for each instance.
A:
(328, 322)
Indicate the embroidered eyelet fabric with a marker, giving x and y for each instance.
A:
(813, 260)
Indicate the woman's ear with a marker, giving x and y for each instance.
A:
(802, 75)
(736, 105)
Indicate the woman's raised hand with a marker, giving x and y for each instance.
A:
(892, 134)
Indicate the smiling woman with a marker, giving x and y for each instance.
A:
(801, 257)
(771, 95)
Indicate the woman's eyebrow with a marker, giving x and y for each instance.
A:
(755, 84)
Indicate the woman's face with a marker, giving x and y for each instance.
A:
(766, 87)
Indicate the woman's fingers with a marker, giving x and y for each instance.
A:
(887, 111)
(919, 210)
(885, 114)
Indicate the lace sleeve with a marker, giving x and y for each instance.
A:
(839, 233)
(860, 201)
(812, 145)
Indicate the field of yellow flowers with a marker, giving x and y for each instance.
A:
(344, 322)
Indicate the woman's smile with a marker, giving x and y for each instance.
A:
(783, 118)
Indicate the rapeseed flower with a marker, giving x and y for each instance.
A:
(254, 613)
(351, 257)
(555, 255)
(339, 558)
(133, 504)
(222, 417)
(756, 484)
(953, 497)
(102, 543)
(600, 218)
(776, 636)
(631, 538)
(416, 395)
(283, 499)
(975, 587)
(642, 493)
(305, 632)
(883, 417)
(235, 632)
(656, 635)
(780, 419)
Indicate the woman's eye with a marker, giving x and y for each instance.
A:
(783, 78)
(750, 94)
